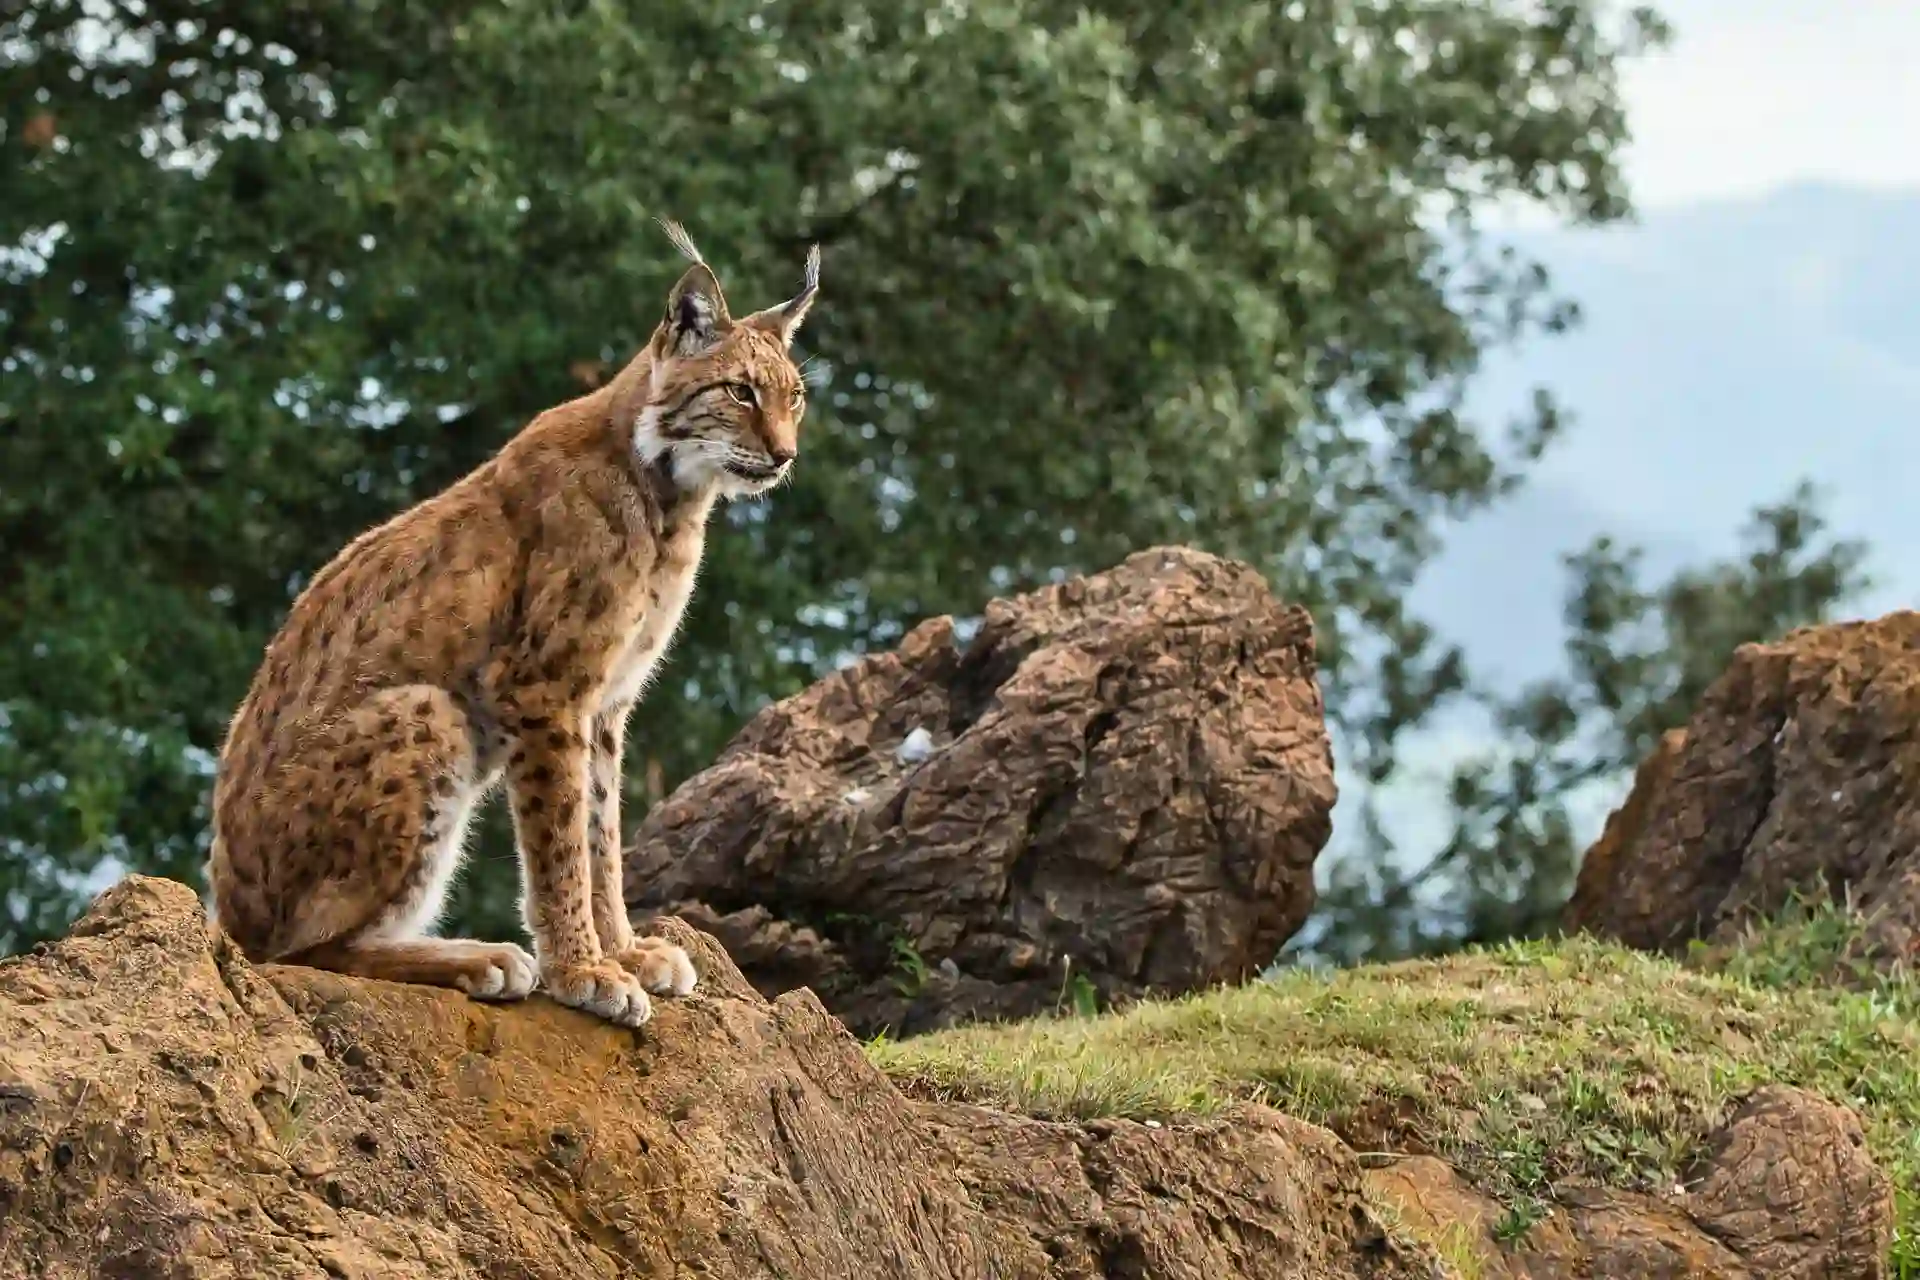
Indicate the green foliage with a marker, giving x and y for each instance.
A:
(1097, 276)
(909, 966)
(1638, 659)
(1520, 1217)
(1082, 997)
(1816, 942)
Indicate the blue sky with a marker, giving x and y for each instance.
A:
(1759, 324)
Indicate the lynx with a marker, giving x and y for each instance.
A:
(503, 628)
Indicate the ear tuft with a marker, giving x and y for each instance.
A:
(682, 241)
(696, 309)
(810, 278)
(785, 319)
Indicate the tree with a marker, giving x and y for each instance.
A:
(1638, 659)
(1098, 276)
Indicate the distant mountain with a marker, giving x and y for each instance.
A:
(1728, 351)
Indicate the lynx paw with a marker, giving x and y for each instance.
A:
(502, 972)
(602, 988)
(662, 968)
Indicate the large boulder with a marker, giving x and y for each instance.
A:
(170, 1112)
(1117, 786)
(1798, 773)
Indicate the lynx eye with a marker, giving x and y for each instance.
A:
(799, 394)
(740, 393)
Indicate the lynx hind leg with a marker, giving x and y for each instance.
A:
(663, 968)
(484, 970)
(399, 780)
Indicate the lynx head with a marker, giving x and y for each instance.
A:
(724, 402)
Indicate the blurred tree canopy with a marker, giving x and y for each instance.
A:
(1098, 275)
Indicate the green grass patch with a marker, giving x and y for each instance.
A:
(1523, 1064)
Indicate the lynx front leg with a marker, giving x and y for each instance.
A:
(662, 968)
(547, 774)
(609, 904)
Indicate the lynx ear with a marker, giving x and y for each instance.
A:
(785, 319)
(696, 309)
(696, 313)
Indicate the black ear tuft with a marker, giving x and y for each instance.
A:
(786, 318)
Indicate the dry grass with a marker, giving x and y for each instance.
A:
(1457, 1249)
(1524, 1064)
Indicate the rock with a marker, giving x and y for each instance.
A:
(1784, 1191)
(1118, 786)
(1798, 772)
(1789, 1186)
(173, 1111)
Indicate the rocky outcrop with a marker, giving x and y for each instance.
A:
(169, 1111)
(1785, 1191)
(1799, 771)
(1117, 786)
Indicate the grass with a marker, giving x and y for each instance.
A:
(1456, 1247)
(1524, 1064)
(290, 1115)
(1459, 1254)
(1815, 943)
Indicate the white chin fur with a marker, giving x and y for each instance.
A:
(693, 468)
(733, 486)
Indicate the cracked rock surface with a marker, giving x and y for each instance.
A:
(1119, 783)
(170, 1112)
(1798, 772)
(1784, 1191)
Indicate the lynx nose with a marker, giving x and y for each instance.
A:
(781, 456)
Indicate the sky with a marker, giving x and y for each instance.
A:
(1754, 94)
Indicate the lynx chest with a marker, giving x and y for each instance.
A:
(663, 597)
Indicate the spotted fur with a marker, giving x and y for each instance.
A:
(503, 629)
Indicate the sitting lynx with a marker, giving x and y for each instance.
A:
(506, 627)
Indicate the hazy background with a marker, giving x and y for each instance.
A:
(1759, 324)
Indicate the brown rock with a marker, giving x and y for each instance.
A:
(1785, 1191)
(1123, 779)
(1788, 1185)
(167, 1110)
(1798, 771)
(1591, 1231)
